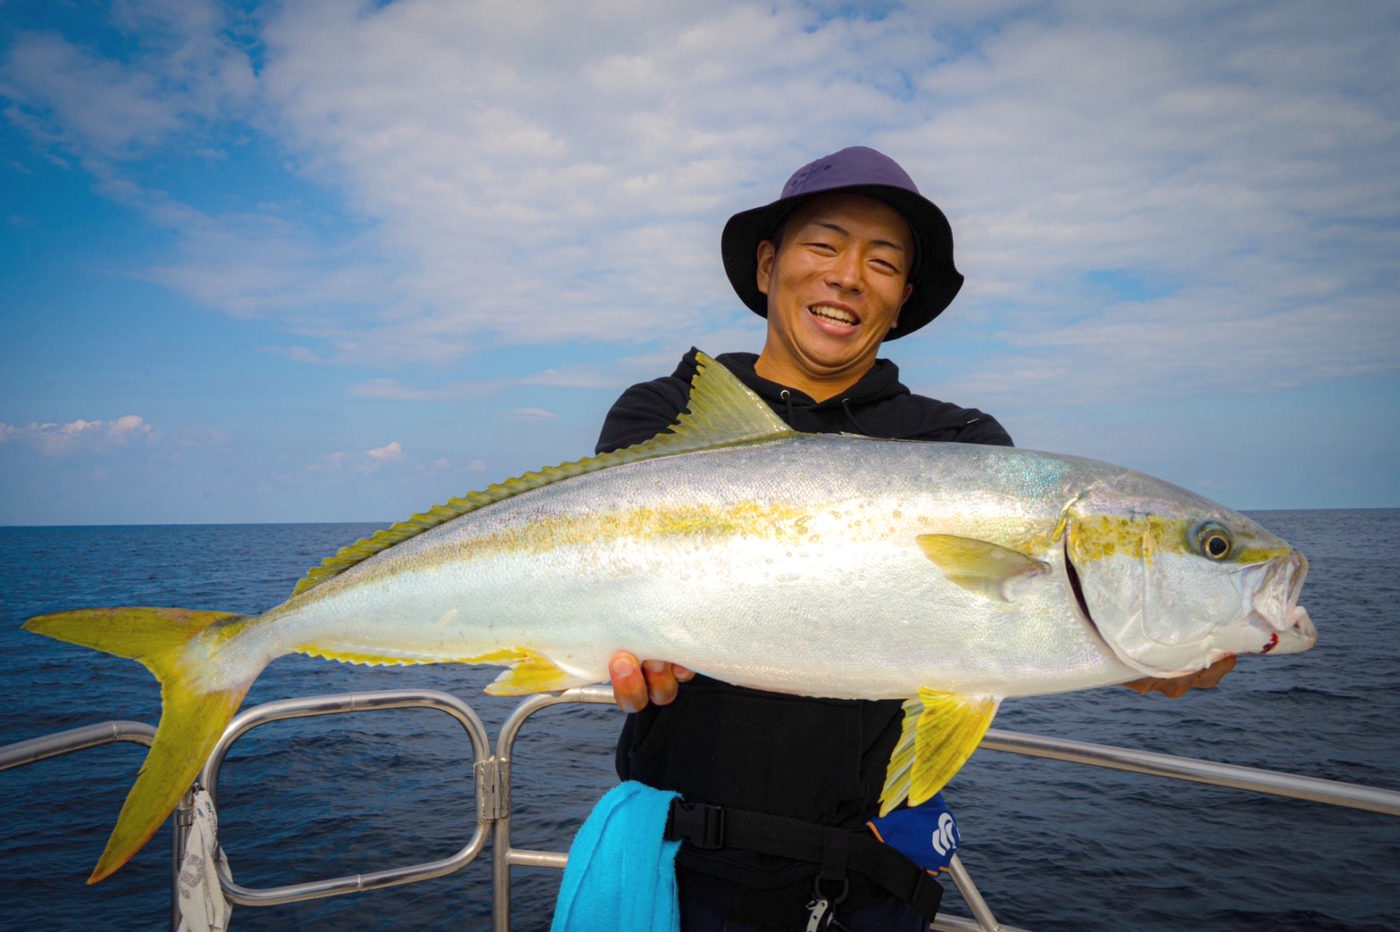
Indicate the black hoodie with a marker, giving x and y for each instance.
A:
(821, 760)
(879, 405)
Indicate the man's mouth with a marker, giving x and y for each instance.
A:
(836, 315)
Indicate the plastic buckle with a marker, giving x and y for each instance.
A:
(701, 824)
(712, 834)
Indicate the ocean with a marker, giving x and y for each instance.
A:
(1051, 845)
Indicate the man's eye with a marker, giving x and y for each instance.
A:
(821, 245)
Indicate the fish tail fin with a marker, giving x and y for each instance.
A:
(198, 699)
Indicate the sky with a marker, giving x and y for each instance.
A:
(339, 261)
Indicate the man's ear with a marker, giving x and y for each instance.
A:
(908, 290)
(767, 255)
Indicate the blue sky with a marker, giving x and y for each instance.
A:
(340, 261)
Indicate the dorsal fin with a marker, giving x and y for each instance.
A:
(722, 412)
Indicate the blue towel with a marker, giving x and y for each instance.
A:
(622, 872)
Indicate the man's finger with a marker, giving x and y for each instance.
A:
(1215, 672)
(1177, 686)
(661, 682)
(628, 682)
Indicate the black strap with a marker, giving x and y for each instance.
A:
(711, 827)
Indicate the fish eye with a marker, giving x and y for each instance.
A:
(1214, 541)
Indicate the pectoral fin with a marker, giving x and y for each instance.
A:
(979, 566)
(941, 730)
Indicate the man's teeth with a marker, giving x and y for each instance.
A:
(834, 313)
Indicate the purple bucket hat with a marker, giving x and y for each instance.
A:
(857, 170)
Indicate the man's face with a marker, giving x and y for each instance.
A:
(835, 285)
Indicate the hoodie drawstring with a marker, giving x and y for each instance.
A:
(786, 396)
(846, 406)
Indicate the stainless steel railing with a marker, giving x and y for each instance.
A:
(339, 705)
(91, 736)
(1272, 782)
(503, 856)
(492, 778)
(75, 739)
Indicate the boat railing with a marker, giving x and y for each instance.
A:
(345, 703)
(492, 777)
(91, 736)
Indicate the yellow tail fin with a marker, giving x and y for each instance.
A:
(198, 698)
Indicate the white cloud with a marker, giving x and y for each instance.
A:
(532, 414)
(94, 102)
(367, 462)
(516, 177)
(184, 70)
(386, 454)
(392, 389)
(1203, 341)
(538, 206)
(80, 436)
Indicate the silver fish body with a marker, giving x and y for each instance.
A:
(949, 575)
(791, 565)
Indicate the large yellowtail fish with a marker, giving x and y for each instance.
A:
(949, 575)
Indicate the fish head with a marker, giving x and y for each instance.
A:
(1174, 582)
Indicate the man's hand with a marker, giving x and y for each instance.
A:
(636, 683)
(1175, 687)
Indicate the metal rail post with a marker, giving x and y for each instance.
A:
(503, 856)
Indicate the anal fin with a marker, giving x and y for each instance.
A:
(530, 672)
(940, 732)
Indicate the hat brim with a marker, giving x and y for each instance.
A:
(936, 280)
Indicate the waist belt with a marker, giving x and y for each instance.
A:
(837, 850)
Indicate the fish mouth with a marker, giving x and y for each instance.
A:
(1276, 597)
(1300, 635)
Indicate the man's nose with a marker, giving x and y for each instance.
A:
(846, 272)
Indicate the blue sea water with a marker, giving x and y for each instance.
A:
(1052, 845)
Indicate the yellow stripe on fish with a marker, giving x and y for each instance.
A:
(1144, 536)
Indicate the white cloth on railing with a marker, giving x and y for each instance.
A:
(202, 904)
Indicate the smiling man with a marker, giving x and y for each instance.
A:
(835, 294)
(850, 256)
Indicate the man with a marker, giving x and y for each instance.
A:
(849, 256)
